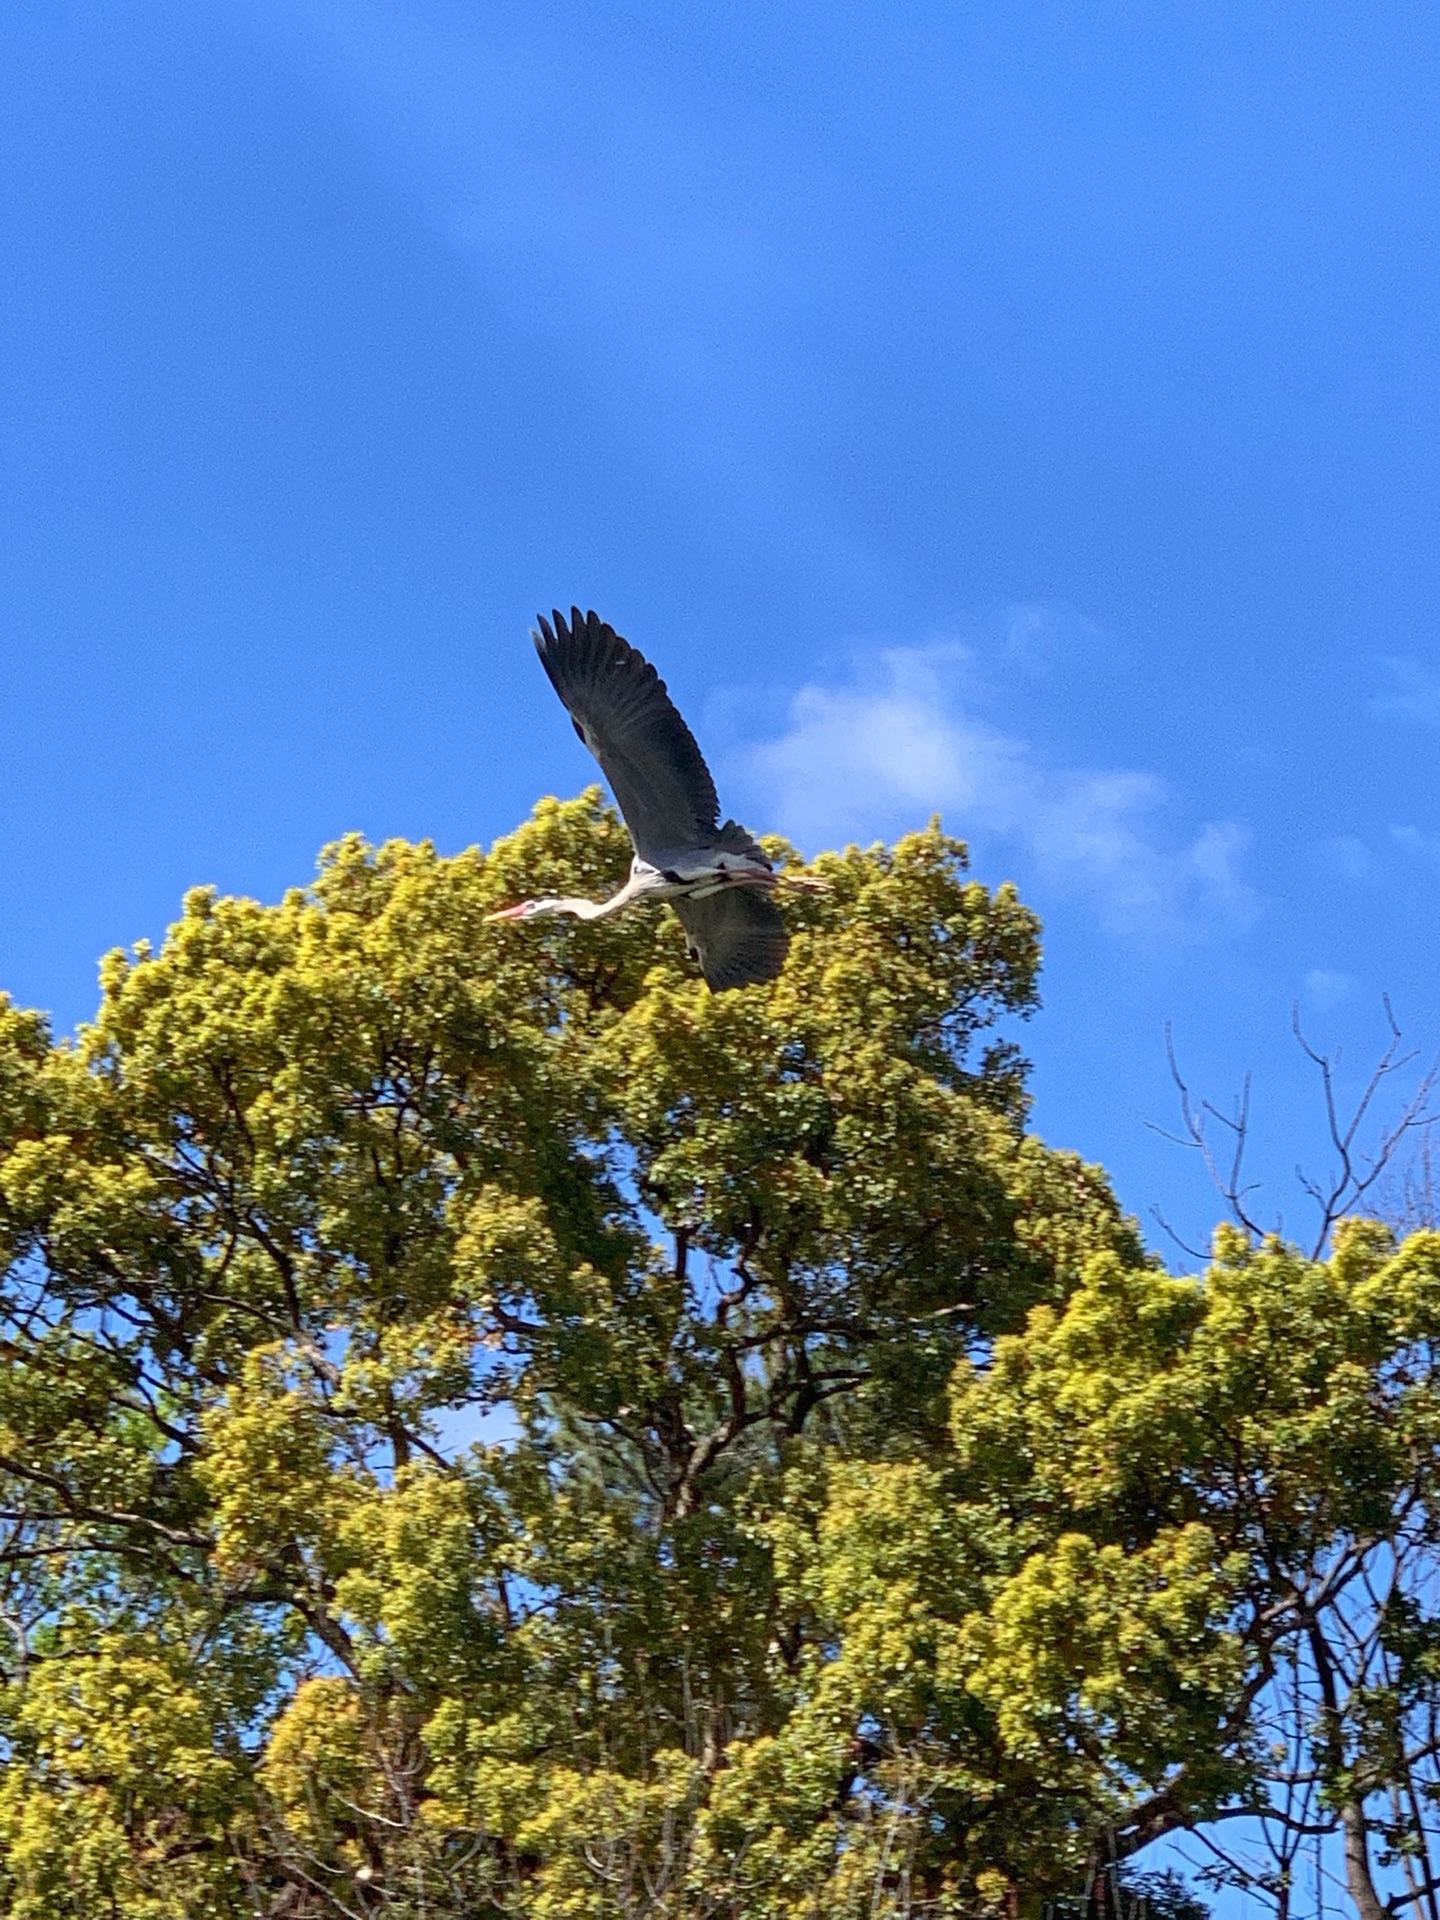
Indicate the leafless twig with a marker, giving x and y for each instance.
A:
(1357, 1170)
(1226, 1170)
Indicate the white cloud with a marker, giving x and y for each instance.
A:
(1414, 691)
(668, 247)
(1037, 635)
(1420, 846)
(1327, 989)
(1348, 856)
(862, 760)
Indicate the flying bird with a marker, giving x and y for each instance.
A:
(715, 876)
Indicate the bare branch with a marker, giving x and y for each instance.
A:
(1194, 1116)
(1355, 1171)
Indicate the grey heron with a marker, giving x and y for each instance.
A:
(715, 876)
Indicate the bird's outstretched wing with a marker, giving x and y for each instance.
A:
(737, 936)
(628, 721)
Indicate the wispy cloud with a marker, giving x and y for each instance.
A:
(1348, 856)
(1327, 989)
(874, 757)
(1420, 846)
(668, 244)
(1412, 691)
(1038, 635)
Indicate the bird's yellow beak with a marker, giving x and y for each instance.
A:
(507, 913)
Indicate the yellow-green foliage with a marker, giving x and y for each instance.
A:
(854, 1524)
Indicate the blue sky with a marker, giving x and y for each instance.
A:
(1023, 411)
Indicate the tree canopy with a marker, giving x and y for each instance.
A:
(490, 1428)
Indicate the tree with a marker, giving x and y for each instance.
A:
(1189, 1567)
(860, 1521)
(321, 1176)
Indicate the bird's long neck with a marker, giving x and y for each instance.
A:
(641, 882)
(581, 909)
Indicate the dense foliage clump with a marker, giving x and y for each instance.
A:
(490, 1428)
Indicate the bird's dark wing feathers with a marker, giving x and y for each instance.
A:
(628, 721)
(737, 936)
(733, 838)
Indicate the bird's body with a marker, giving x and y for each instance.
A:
(716, 876)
